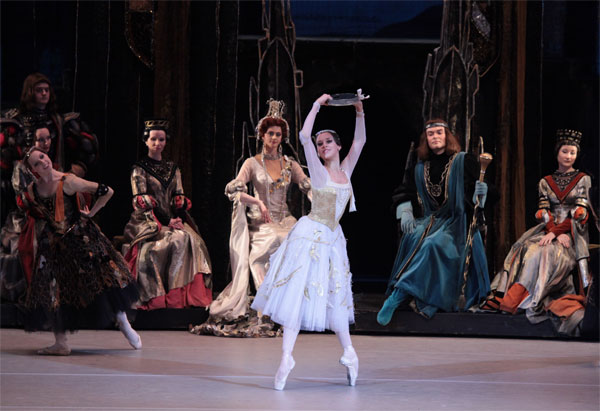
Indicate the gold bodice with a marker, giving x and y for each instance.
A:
(329, 203)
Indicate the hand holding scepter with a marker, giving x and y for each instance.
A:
(484, 160)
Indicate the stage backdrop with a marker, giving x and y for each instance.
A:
(194, 60)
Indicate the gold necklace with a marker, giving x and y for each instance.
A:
(435, 190)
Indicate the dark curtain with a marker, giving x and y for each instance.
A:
(510, 158)
(213, 89)
(171, 81)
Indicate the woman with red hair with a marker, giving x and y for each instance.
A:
(259, 224)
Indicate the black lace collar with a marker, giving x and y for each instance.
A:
(162, 170)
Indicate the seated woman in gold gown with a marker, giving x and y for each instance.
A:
(163, 247)
(537, 271)
(259, 224)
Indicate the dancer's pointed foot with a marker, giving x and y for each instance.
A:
(132, 336)
(350, 361)
(56, 349)
(286, 365)
(384, 316)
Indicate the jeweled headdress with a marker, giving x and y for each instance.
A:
(568, 137)
(276, 110)
(155, 124)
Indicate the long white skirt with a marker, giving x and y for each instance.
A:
(309, 283)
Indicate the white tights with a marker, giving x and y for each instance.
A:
(290, 335)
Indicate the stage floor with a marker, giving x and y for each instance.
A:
(177, 370)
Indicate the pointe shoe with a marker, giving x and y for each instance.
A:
(60, 350)
(350, 361)
(287, 364)
(132, 336)
(135, 341)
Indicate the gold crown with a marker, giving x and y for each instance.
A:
(569, 136)
(156, 124)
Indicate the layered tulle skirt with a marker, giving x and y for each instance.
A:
(78, 279)
(309, 284)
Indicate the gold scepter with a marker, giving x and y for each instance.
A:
(484, 160)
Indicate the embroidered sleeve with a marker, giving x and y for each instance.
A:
(543, 213)
(143, 202)
(238, 184)
(234, 188)
(583, 188)
(582, 203)
(138, 181)
(543, 189)
(178, 182)
(179, 201)
(300, 178)
(305, 185)
(21, 177)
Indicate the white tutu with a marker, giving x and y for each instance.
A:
(309, 284)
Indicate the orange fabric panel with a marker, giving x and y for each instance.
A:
(566, 305)
(513, 297)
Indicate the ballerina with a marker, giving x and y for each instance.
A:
(72, 269)
(309, 285)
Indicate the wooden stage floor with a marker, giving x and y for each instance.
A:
(177, 370)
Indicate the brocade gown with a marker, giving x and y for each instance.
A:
(538, 278)
(172, 266)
